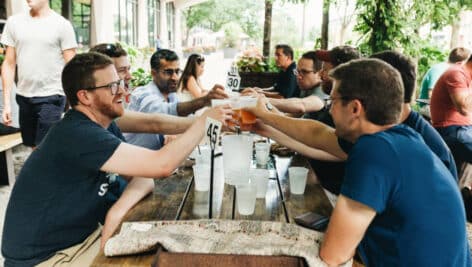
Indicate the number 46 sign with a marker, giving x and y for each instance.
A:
(213, 129)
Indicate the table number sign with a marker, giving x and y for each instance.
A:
(213, 130)
(233, 79)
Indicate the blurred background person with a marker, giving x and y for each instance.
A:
(190, 86)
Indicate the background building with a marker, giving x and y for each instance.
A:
(141, 23)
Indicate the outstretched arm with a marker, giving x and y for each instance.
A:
(293, 144)
(138, 161)
(298, 105)
(309, 132)
(139, 122)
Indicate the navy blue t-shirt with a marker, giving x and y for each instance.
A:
(59, 196)
(420, 218)
(286, 84)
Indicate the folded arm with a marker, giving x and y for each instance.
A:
(347, 226)
(136, 189)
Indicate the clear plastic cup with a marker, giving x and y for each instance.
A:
(246, 198)
(261, 179)
(237, 155)
(262, 153)
(297, 179)
(202, 155)
(201, 173)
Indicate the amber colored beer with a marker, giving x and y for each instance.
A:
(236, 117)
(247, 117)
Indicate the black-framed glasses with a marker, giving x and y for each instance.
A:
(328, 101)
(114, 87)
(170, 72)
(302, 72)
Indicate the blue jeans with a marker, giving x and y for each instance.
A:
(459, 140)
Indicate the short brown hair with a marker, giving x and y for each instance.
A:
(78, 73)
(111, 50)
(459, 54)
(376, 84)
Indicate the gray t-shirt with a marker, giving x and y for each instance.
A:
(39, 43)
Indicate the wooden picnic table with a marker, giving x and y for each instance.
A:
(174, 198)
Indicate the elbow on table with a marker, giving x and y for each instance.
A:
(333, 259)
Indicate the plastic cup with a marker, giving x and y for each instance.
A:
(237, 155)
(297, 179)
(261, 179)
(202, 156)
(246, 198)
(262, 153)
(246, 116)
(201, 173)
(219, 102)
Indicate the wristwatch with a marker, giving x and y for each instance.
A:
(269, 106)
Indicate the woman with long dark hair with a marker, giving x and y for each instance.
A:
(189, 85)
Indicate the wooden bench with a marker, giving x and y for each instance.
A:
(7, 172)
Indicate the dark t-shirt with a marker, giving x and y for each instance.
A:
(286, 84)
(59, 196)
(331, 174)
(420, 219)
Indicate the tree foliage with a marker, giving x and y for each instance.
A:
(213, 14)
(394, 24)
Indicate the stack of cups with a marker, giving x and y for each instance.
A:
(237, 155)
(202, 168)
(262, 153)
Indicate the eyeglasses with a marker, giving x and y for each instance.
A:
(170, 72)
(328, 101)
(302, 73)
(114, 86)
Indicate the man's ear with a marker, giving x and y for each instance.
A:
(356, 107)
(154, 73)
(84, 97)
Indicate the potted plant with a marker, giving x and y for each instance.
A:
(254, 71)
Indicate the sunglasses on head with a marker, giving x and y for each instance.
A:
(200, 60)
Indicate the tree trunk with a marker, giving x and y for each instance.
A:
(267, 29)
(325, 25)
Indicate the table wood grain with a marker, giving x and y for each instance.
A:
(174, 198)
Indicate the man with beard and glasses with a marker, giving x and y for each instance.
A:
(159, 96)
(136, 121)
(59, 198)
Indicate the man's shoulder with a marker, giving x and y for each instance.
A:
(22, 16)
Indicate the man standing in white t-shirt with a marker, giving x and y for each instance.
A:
(39, 43)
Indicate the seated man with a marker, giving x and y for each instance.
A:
(58, 200)
(305, 131)
(396, 207)
(451, 106)
(159, 96)
(286, 84)
(457, 56)
(309, 82)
